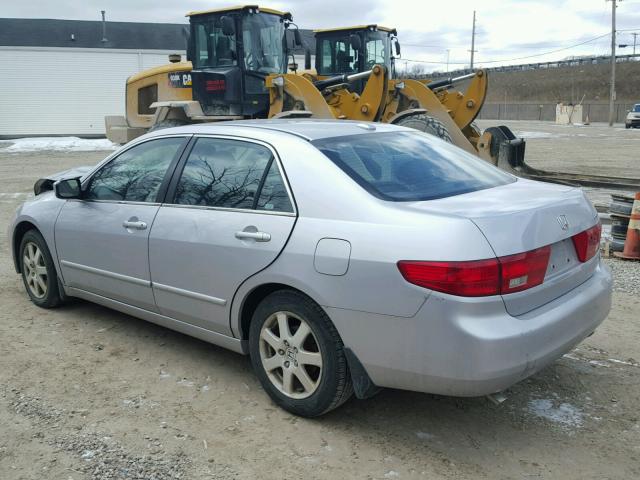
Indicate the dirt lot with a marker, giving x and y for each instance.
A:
(89, 393)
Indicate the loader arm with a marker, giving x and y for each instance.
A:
(415, 94)
(465, 107)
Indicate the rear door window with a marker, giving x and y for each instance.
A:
(408, 166)
(232, 174)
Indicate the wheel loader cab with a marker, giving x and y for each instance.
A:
(353, 50)
(232, 51)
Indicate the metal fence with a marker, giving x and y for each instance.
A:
(596, 112)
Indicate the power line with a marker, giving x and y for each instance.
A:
(520, 58)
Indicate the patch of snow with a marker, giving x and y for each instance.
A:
(597, 363)
(391, 474)
(88, 454)
(164, 374)
(615, 360)
(205, 388)
(525, 134)
(185, 383)
(425, 435)
(64, 144)
(563, 413)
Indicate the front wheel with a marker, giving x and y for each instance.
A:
(298, 355)
(426, 123)
(38, 272)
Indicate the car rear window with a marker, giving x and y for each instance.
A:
(410, 166)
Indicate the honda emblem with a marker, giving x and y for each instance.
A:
(563, 222)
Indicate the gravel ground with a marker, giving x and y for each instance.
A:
(89, 393)
(626, 275)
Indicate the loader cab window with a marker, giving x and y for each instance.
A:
(337, 56)
(214, 49)
(263, 43)
(377, 48)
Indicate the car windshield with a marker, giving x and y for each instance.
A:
(410, 166)
(263, 43)
(636, 108)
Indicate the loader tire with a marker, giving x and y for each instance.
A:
(172, 122)
(427, 124)
(620, 208)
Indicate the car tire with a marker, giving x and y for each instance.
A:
(427, 124)
(38, 271)
(619, 231)
(620, 208)
(616, 245)
(305, 374)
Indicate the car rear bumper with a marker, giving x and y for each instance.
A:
(471, 347)
(634, 122)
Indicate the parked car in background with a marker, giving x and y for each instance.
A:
(633, 117)
(340, 256)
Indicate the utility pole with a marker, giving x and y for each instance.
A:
(612, 90)
(635, 35)
(473, 38)
(448, 52)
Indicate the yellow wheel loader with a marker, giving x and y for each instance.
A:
(230, 53)
(354, 79)
(237, 69)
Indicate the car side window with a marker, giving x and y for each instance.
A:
(136, 174)
(223, 173)
(273, 195)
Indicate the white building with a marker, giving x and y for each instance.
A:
(60, 78)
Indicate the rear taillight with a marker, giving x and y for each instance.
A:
(480, 278)
(524, 270)
(587, 243)
(468, 279)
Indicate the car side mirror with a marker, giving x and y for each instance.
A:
(68, 188)
(228, 26)
(356, 43)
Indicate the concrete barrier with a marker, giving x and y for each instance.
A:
(597, 112)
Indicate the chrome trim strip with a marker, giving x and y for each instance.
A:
(105, 273)
(122, 202)
(189, 294)
(225, 209)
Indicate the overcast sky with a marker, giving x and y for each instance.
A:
(506, 30)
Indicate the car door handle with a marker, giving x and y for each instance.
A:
(134, 225)
(257, 236)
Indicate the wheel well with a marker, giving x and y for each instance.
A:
(20, 230)
(252, 301)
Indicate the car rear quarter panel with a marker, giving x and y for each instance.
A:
(331, 205)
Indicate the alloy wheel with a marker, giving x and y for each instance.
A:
(35, 270)
(290, 355)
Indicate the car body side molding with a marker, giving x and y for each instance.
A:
(106, 273)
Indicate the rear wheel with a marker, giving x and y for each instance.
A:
(298, 355)
(427, 124)
(38, 272)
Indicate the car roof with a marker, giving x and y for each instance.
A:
(308, 129)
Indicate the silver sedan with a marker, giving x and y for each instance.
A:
(342, 257)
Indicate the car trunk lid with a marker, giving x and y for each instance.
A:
(523, 216)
